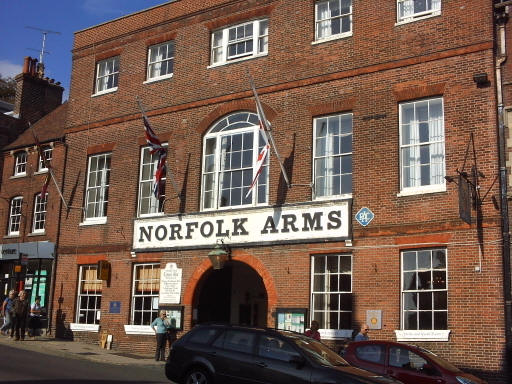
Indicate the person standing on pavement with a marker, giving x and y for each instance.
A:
(161, 335)
(21, 309)
(313, 330)
(363, 333)
(34, 322)
(7, 313)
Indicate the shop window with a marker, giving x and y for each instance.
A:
(107, 75)
(160, 61)
(240, 42)
(333, 156)
(15, 216)
(422, 146)
(47, 153)
(89, 296)
(333, 19)
(145, 293)
(39, 213)
(424, 290)
(409, 10)
(230, 152)
(331, 293)
(98, 179)
(148, 202)
(20, 163)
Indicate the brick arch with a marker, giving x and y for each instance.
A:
(246, 258)
(233, 106)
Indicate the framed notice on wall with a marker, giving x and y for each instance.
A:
(291, 319)
(174, 315)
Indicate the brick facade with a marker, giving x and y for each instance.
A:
(382, 64)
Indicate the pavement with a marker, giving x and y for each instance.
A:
(80, 350)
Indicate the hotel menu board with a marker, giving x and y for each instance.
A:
(291, 319)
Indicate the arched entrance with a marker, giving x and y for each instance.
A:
(234, 294)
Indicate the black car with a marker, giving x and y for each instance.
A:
(225, 354)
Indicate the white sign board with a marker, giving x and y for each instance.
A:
(320, 222)
(170, 284)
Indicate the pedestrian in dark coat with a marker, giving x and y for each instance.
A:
(21, 309)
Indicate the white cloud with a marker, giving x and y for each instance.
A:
(8, 69)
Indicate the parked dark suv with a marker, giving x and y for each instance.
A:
(241, 355)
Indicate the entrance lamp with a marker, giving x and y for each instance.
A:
(219, 255)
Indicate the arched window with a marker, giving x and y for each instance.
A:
(230, 151)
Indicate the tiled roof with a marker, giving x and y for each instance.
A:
(48, 128)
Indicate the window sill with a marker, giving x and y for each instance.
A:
(332, 38)
(41, 233)
(41, 172)
(334, 334)
(423, 335)
(19, 176)
(346, 196)
(422, 190)
(419, 18)
(104, 92)
(237, 60)
(12, 236)
(138, 330)
(77, 327)
(157, 79)
(150, 215)
(98, 221)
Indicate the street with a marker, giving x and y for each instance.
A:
(24, 366)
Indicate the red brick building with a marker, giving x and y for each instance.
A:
(371, 106)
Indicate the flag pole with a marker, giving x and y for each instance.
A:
(171, 176)
(269, 133)
(41, 154)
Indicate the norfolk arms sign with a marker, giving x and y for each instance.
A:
(327, 221)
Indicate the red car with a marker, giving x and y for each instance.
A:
(407, 363)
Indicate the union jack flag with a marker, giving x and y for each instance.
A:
(158, 148)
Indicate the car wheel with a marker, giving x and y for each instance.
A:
(197, 376)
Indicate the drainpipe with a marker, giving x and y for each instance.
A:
(501, 20)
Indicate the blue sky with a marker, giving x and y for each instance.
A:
(64, 16)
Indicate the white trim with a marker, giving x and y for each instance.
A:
(159, 78)
(422, 190)
(94, 221)
(333, 37)
(110, 90)
(413, 19)
(422, 335)
(237, 60)
(18, 176)
(138, 329)
(335, 334)
(77, 327)
(41, 172)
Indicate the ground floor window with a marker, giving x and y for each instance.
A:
(145, 293)
(424, 290)
(331, 291)
(89, 295)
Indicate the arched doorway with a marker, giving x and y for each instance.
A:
(234, 294)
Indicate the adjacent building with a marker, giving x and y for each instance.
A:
(384, 119)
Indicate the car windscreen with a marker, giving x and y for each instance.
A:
(316, 350)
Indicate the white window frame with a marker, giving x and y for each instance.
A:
(15, 210)
(432, 290)
(239, 123)
(47, 153)
(436, 142)
(20, 163)
(39, 222)
(332, 141)
(165, 53)
(435, 10)
(325, 329)
(107, 71)
(94, 295)
(156, 206)
(329, 20)
(153, 295)
(101, 203)
(220, 42)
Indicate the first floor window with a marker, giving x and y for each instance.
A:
(107, 74)
(331, 293)
(145, 293)
(47, 153)
(98, 179)
(89, 296)
(20, 163)
(148, 202)
(15, 216)
(422, 144)
(411, 9)
(333, 18)
(161, 60)
(424, 290)
(39, 213)
(333, 155)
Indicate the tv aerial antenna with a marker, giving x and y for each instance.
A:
(44, 32)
